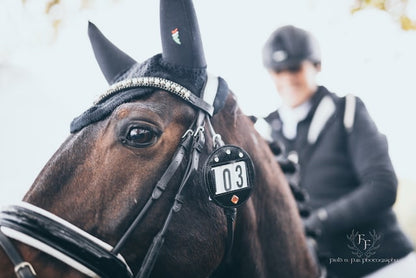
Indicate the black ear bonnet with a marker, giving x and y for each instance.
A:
(182, 62)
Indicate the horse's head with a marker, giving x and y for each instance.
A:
(104, 175)
(138, 141)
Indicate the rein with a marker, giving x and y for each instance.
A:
(89, 255)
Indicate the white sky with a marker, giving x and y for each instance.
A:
(43, 85)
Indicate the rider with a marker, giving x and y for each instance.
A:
(344, 164)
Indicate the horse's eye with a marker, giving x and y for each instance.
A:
(140, 137)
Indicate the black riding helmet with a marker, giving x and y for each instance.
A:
(288, 47)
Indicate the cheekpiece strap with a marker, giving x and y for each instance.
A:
(161, 83)
(22, 268)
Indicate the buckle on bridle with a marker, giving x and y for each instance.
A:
(22, 266)
(199, 130)
(217, 140)
(188, 132)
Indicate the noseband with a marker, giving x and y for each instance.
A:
(89, 255)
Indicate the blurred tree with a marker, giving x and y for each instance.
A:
(57, 10)
(52, 9)
(398, 9)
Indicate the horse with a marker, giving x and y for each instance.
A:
(102, 177)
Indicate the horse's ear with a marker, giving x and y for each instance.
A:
(181, 39)
(111, 60)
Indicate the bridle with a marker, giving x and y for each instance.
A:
(49, 233)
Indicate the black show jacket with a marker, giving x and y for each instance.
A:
(349, 174)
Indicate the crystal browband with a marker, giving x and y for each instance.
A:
(157, 82)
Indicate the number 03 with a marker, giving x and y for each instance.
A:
(226, 174)
(230, 177)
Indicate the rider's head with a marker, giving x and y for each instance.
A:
(293, 59)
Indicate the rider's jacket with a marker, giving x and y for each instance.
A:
(346, 170)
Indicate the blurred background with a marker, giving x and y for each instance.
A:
(48, 74)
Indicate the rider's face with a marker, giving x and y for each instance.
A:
(297, 84)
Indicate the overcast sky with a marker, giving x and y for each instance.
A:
(44, 83)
